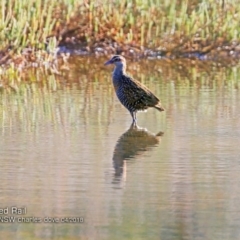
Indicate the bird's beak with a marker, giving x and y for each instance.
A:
(108, 62)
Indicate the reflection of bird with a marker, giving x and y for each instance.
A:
(131, 93)
(131, 143)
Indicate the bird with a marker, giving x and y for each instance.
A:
(132, 94)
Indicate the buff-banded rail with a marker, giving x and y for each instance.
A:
(131, 93)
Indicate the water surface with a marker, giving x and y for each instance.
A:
(67, 149)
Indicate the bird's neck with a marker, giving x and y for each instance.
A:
(119, 70)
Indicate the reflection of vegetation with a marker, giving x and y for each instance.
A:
(54, 99)
(185, 73)
(133, 142)
(34, 95)
(162, 25)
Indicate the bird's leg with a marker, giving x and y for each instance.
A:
(134, 117)
(132, 114)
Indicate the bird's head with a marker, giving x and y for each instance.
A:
(117, 60)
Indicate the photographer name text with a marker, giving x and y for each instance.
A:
(15, 217)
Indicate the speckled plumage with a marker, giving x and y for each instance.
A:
(132, 94)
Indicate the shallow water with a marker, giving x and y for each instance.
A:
(67, 149)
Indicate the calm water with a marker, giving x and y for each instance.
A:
(67, 150)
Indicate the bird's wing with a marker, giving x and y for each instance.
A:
(137, 92)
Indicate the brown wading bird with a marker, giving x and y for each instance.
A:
(132, 94)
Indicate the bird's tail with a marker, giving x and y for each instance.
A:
(159, 107)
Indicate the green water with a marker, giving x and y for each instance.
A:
(67, 150)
